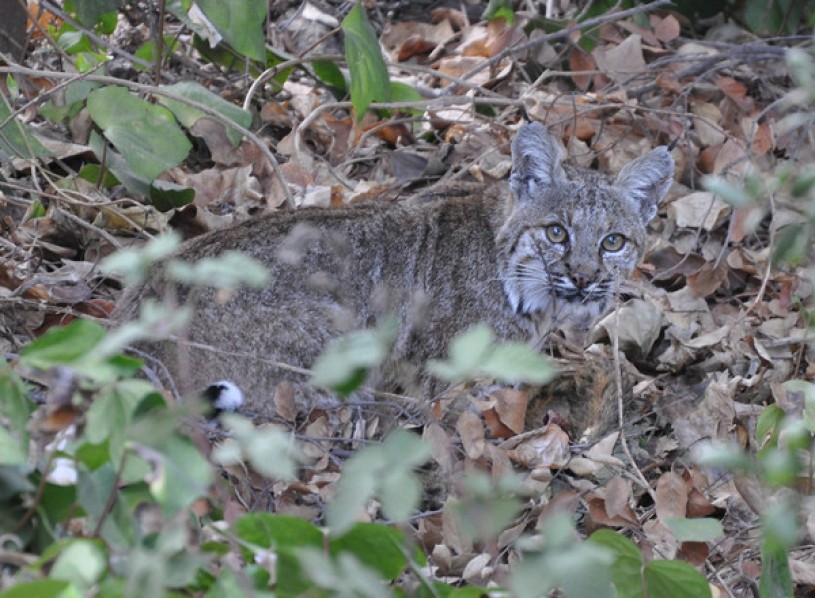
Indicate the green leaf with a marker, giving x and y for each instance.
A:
(405, 93)
(268, 530)
(88, 12)
(93, 490)
(147, 51)
(675, 579)
(15, 406)
(500, 9)
(473, 353)
(716, 455)
(269, 450)
(81, 562)
(735, 196)
(241, 24)
(133, 264)
(15, 139)
(166, 196)
(702, 529)
(12, 450)
(369, 74)
(345, 572)
(42, 588)
(343, 365)
(516, 362)
(626, 570)
(376, 546)
(562, 564)
(118, 166)
(378, 471)
(768, 425)
(467, 352)
(230, 270)
(182, 475)
(94, 172)
(188, 116)
(283, 534)
(146, 135)
(69, 101)
(63, 345)
(329, 73)
(111, 413)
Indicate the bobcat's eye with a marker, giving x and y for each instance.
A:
(556, 233)
(613, 242)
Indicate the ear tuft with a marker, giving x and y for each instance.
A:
(646, 180)
(536, 158)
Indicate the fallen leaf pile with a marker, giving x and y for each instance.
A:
(709, 330)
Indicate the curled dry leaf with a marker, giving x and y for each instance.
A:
(470, 429)
(405, 40)
(477, 571)
(510, 406)
(548, 447)
(666, 29)
(671, 496)
(600, 516)
(581, 61)
(622, 61)
(441, 448)
(699, 209)
(284, 402)
(707, 126)
(732, 159)
(618, 493)
(637, 324)
(661, 540)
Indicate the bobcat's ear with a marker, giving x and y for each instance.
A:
(646, 180)
(536, 158)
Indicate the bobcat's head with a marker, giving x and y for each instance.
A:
(571, 234)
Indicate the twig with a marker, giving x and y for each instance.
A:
(111, 500)
(735, 55)
(564, 33)
(427, 105)
(101, 232)
(766, 278)
(159, 43)
(55, 9)
(618, 381)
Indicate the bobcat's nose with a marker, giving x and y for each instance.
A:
(580, 279)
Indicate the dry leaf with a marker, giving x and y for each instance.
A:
(637, 324)
(580, 61)
(618, 493)
(699, 209)
(599, 515)
(708, 279)
(471, 431)
(732, 158)
(548, 447)
(736, 91)
(660, 537)
(666, 29)
(671, 497)
(284, 402)
(510, 405)
(622, 61)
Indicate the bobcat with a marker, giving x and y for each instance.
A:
(546, 251)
